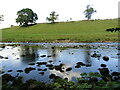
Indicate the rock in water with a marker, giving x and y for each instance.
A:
(27, 70)
(52, 76)
(69, 69)
(103, 65)
(104, 71)
(106, 58)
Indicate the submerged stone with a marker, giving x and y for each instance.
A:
(50, 61)
(20, 71)
(59, 67)
(41, 63)
(103, 65)
(96, 55)
(115, 74)
(52, 76)
(69, 69)
(44, 69)
(49, 56)
(43, 56)
(88, 65)
(1, 57)
(39, 69)
(5, 57)
(27, 70)
(42, 73)
(80, 63)
(106, 58)
(3, 46)
(31, 64)
(51, 68)
(22, 55)
(77, 66)
(2, 71)
(104, 71)
(10, 70)
(49, 65)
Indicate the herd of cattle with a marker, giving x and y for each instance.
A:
(113, 29)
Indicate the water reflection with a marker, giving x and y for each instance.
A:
(90, 59)
(53, 52)
(28, 53)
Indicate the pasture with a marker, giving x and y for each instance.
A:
(76, 31)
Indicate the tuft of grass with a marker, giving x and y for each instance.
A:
(78, 31)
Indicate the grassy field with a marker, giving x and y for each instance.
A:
(79, 31)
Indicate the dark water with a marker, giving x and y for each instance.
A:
(28, 55)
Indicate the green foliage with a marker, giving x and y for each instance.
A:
(88, 81)
(53, 17)
(61, 84)
(83, 74)
(91, 74)
(26, 16)
(1, 17)
(89, 11)
(83, 86)
(18, 81)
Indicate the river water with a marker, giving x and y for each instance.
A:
(15, 57)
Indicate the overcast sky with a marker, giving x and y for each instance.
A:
(65, 8)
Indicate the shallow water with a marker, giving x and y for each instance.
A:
(21, 56)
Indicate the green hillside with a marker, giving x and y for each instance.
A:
(77, 31)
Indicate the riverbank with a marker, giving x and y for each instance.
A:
(91, 82)
(65, 32)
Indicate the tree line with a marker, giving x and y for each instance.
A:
(27, 17)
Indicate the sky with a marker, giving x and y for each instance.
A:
(106, 9)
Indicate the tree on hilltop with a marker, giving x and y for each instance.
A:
(89, 11)
(53, 17)
(26, 16)
(1, 18)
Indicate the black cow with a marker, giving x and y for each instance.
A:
(112, 29)
(108, 30)
(117, 29)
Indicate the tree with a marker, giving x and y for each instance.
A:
(89, 11)
(26, 17)
(53, 17)
(1, 17)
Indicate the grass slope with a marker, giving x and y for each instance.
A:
(79, 31)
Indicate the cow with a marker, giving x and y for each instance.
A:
(117, 29)
(110, 30)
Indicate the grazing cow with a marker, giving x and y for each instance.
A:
(111, 29)
(117, 29)
(108, 30)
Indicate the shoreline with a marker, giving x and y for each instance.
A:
(60, 41)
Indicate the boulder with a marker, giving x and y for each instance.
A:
(27, 70)
(80, 63)
(69, 69)
(106, 58)
(103, 65)
(52, 76)
(20, 71)
(104, 71)
(42, 73)
(43, 56)
(31, 63)
(10, 70)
